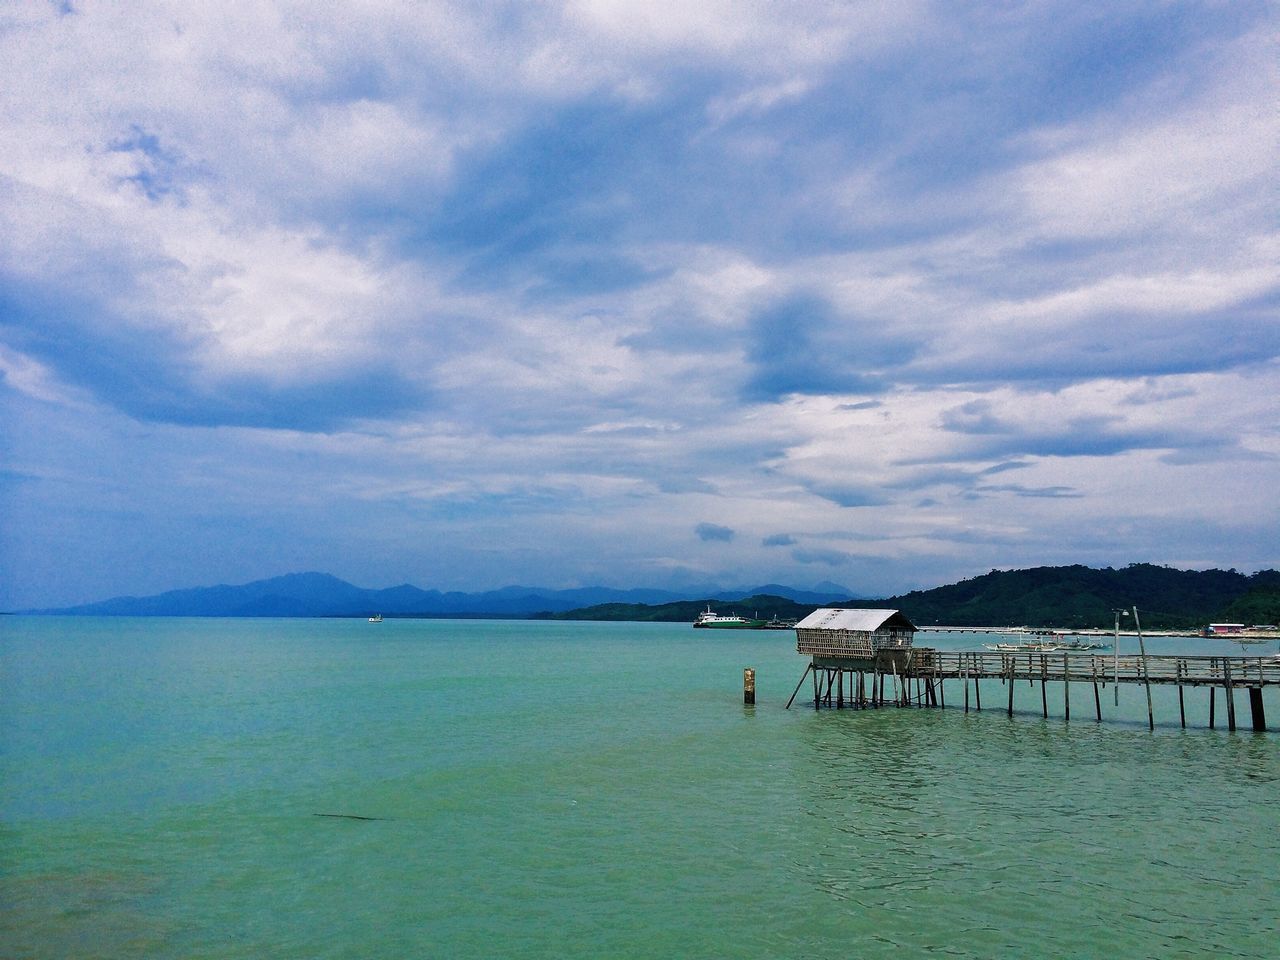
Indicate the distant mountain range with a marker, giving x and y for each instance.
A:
(322, 595)
(1073, 596)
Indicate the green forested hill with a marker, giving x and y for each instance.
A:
(1074, 596)
(1079, 596)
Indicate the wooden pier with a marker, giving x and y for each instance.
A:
(918, 677)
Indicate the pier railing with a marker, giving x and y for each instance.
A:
(1096, 667)
(860, 682)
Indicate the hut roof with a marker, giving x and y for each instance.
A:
(830, 618)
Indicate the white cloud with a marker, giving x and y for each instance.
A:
(1193, 170)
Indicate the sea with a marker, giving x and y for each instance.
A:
(203, 788)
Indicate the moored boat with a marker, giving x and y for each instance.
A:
(779, 624)
(726, 622)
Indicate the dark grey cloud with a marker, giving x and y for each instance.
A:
(1051, 493)
(778, 540)
(847, 494)
(713, 531)
(1110, 344)
(830, 558)
(976, 416)
(160, 170)
(997, 437)
(801, 344)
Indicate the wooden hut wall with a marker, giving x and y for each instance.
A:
(850, 643)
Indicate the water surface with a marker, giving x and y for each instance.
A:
(596, 790)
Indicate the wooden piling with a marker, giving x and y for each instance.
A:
(749, 687)
(1011, 686)
(1182, 707)
(1066, 689)
(807, 668)
(1044, 687)
(1231, 699)
(1097, 702)
(1212, 692)
(1146, 671)
(1255, 708)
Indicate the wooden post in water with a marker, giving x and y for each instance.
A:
(1212, 693)
(964, 678)
(1011, 672)
(1255, 708)
(1146, 673)
(1044, 687)
(749, 687)
(1066, 688)
(1231, 698)
(1116, 653)
(977, 694)
(807, 668)
(1182, 707)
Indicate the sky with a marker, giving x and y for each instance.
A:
(885, 294)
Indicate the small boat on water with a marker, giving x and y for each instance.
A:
(376, 618)
(1030, 646)
(732, 621)
(778, 624)
(1047, 646)
(1084, 645)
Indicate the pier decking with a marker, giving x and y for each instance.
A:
(841, 681)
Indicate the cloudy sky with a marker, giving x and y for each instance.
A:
(634, 293)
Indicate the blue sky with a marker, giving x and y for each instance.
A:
(634, 294)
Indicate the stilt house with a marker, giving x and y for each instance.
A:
(858, 635)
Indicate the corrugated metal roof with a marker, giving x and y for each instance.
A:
(829, 618)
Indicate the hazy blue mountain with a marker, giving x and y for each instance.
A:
(323, 595)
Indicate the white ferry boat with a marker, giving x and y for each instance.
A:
(726, 622)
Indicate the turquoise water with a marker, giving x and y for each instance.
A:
(596, 790)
